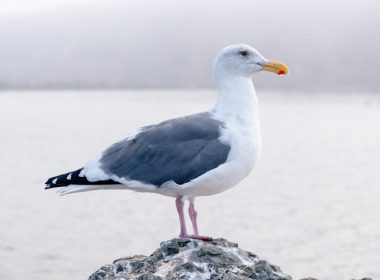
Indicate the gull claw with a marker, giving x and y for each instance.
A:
(200, 237)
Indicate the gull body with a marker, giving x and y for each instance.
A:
(197, 155)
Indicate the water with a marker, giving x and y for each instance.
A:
(311, 206)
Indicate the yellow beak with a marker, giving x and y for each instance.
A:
(276, 67)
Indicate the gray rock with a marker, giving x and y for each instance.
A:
(191, 259)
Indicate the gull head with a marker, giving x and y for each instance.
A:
(243, 60)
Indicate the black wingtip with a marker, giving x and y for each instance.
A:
(73, 178)
(62, 180)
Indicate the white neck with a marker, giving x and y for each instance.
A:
(237, 100)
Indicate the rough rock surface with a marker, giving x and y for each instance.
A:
(191, 259)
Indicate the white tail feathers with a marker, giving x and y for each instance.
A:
(85, 188)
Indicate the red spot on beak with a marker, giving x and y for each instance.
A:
(281, 72)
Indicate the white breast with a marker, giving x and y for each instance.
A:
(238, 110)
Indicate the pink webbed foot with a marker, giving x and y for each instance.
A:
(200, 237)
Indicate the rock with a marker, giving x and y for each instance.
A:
(192, 259)
(184, 258)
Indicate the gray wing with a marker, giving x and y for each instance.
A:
(179, 149)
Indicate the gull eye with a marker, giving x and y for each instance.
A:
(243, 53)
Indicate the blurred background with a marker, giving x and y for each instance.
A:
(125, 44)
(76, 76)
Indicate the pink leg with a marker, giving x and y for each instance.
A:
(193, 217)
(179, 203)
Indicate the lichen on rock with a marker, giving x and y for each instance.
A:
(192, 259)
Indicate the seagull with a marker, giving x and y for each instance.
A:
(196, 155)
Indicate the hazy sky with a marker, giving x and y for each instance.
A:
(9, 8)
(171, 43)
